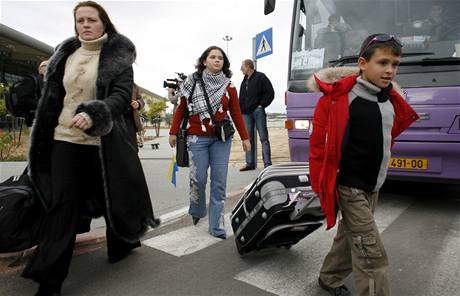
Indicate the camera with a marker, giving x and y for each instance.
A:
(174, 82)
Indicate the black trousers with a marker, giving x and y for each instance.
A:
(76, 179)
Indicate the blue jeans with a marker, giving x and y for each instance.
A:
(258, 118)
(207, 152)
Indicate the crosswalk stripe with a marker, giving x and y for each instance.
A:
(447, 264)
(304, 259)
(187, 240)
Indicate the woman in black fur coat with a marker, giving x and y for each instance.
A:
(82, 160)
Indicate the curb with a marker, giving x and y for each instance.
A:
(11, 263)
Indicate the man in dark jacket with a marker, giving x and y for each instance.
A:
(26, 93)
(38, 79)
(256, 93)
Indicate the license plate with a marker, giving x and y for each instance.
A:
(408, 163)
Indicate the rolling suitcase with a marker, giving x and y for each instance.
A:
(278, 209)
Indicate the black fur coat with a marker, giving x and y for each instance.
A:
(126, 195)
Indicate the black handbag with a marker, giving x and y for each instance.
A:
(21, 214)
(181, 148)
(182, 159)
(222, 129)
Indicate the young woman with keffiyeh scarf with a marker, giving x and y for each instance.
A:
(205, 150)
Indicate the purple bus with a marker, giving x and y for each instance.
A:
(328, 33)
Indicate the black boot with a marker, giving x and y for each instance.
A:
(48, 290)
(122, 251)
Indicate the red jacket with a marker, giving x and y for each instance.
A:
(231, 104)
(329, 123)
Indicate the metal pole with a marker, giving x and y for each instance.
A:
(254, 49)
(227, 39)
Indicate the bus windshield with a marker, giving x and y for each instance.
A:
(327, 30)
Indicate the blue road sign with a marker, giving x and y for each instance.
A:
(264, 43)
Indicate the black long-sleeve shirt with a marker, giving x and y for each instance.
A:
(367, 141)
(255, 91)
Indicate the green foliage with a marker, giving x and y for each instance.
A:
(155, 109)
(8, 146)
(3, 111)
(3, 90)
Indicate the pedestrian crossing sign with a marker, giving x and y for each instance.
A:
(264, 43)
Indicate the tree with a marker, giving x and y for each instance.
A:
(3, 91)
(155, 108)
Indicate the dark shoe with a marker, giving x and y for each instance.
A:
(339, 291)
(195, 220)
(247, 168)
(222, 236)
(120, 254)
(48, 290)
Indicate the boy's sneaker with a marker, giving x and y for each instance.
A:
(339, 291)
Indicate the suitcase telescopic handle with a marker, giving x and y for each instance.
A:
(244, 207)
(246, 194)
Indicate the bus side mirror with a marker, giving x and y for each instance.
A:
(269, 6)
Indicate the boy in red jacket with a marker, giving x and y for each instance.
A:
(354, 126)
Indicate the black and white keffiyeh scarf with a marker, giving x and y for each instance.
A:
(216, 86)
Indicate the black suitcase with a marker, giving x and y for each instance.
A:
(278, 209)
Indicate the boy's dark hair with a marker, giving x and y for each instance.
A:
(109, 28)
(380, 40)
(226, 67)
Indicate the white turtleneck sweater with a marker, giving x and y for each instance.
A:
(79, 80)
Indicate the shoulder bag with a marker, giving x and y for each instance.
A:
(182, 158)
(222, 129)
(21, 214)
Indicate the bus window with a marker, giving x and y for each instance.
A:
(323, 30)
(318, 37)
(326, 30)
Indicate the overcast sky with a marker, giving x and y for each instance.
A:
(170, 35)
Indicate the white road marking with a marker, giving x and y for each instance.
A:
(447, 269)
(187, 240)
(295, 272)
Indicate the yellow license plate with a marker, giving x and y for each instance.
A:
(408, 163)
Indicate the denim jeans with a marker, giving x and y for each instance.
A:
(205, 152)
(259, 119)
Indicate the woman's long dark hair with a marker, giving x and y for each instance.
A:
(108, 25)
(200, 67)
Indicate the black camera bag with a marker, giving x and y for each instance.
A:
(222, 129)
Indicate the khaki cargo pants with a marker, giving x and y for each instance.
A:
(357, 246)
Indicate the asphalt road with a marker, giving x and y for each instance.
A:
(420, 225)
(168, 201)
